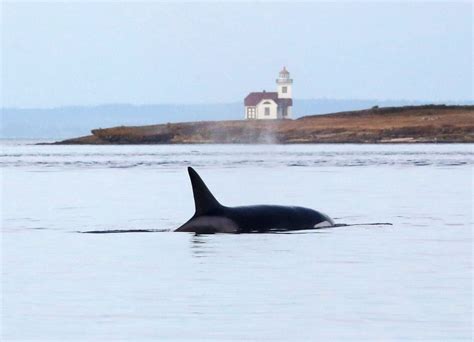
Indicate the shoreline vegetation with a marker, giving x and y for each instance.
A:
(408, 124)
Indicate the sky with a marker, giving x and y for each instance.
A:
(90, 53)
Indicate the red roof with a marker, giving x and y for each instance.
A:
(253, 99)
(284, 71)
(285, 102)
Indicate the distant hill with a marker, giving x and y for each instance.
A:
(63, 122)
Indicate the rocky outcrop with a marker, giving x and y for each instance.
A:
(427, 124)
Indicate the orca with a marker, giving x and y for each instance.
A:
(212, 217)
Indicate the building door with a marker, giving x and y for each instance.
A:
(251, 113)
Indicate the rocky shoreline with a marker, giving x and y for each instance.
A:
(409, 124)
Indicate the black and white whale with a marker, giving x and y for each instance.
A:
(212, 217)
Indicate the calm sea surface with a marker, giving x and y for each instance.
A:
(408, 281)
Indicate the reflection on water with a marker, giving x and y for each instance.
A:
(201, 247)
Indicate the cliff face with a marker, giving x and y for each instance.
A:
(433, 123)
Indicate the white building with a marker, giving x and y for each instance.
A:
(271, 105)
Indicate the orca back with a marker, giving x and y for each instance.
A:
(212, 217)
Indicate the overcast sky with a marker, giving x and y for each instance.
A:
(57, 54)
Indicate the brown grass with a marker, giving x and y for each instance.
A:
(396, 124)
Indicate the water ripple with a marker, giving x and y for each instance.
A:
(229, 156)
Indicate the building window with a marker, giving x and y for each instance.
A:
(284, 90)
(267, 111)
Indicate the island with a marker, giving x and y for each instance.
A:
(408, 124)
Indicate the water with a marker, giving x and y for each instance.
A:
(412, 280)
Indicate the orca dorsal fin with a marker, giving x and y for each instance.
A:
(204, 200)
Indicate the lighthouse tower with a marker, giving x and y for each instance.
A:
(285, 102)
(284, 83)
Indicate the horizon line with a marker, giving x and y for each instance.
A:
(130, 104)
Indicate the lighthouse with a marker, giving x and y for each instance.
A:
(284, 83)
(267, 105)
